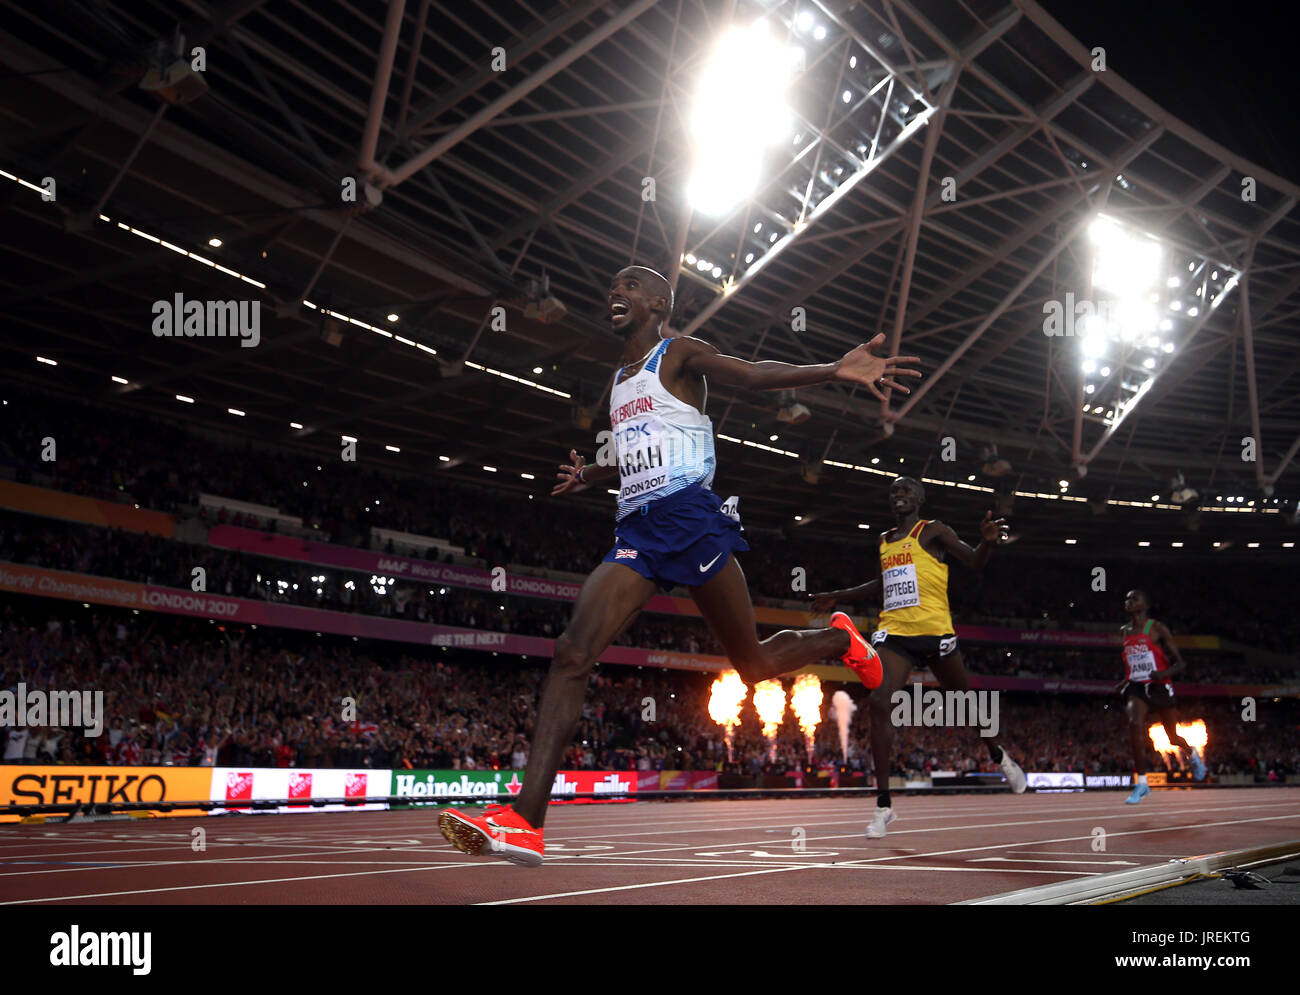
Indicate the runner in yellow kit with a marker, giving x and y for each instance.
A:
(915, 626)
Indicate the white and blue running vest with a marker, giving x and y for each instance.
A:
(662, 443)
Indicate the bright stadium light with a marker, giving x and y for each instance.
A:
(740, 108)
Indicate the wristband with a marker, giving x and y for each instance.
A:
(581, 478)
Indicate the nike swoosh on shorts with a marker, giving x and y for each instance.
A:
(705, 566)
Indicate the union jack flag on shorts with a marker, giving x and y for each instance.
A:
(625, 554)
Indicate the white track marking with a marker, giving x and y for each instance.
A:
(1065, 839)
(634, 887)
(1034, 860)
(776, 870)
(242, 884)
(1108, 853)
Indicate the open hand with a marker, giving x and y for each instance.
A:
(991, 528)
(568, 475)
(860, 366)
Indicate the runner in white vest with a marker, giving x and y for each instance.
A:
(671, 530)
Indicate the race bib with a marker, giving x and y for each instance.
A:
(879, 636)
(900, 588)
(642, 448)
(731, 507)
(1141, 662)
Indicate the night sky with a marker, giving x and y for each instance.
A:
(1227, 69)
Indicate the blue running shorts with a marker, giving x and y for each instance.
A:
(683, 539)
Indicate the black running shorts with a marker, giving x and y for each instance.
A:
(1158, 695)
(920, 649)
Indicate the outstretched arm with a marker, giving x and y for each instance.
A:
(859, 366)
(826, 601)
(963, 554)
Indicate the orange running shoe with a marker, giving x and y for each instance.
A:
(861, 658)
(499, 832)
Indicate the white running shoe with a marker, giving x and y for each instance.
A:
(882, 818)
(1014, 775)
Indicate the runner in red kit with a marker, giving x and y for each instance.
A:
(1148, 646)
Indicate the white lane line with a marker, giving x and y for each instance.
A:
(183, 842)
(242, 884)
(959, 870)
(1109, 853)
(635, 887)
(443, 851)
(1032, 860)
(1064, 839)
(775, 870)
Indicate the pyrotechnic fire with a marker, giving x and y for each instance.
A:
(769, 702)
(806, 703)
(1194, 732)
(725, 701)
(842, 708)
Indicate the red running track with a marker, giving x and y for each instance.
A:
(941, 849)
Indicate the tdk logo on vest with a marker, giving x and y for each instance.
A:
(632, 434)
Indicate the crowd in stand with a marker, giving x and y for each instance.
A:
(190, 692)
(123, 555)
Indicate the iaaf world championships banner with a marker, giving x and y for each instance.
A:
(83, 587)
(429, 571)
(244, 611)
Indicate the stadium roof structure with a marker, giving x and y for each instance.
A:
(945, 164)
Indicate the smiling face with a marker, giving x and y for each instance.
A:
(905, 496)
(638, 296)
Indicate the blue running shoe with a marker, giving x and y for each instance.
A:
(1198, 766)
(1140, 791)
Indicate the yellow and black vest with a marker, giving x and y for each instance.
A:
(914, 587)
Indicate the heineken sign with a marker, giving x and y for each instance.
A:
(444, 785)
